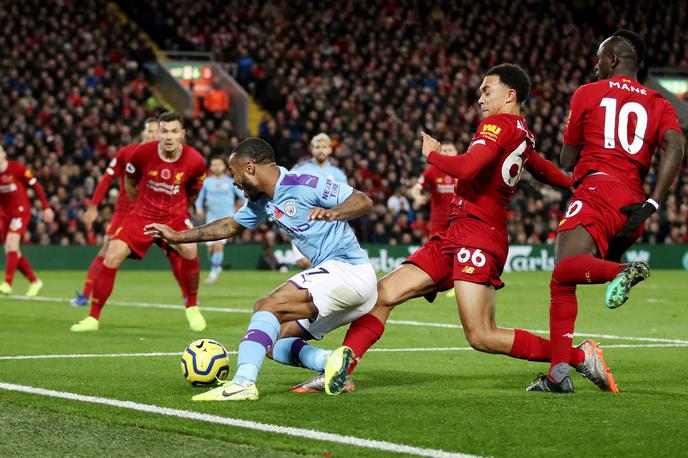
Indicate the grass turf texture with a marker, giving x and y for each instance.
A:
(460, 401)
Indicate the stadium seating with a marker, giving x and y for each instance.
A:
(76, 91)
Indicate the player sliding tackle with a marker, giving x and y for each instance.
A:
(470, 255)
(313, 211)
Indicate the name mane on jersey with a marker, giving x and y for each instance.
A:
(626, 87)
(164, 188)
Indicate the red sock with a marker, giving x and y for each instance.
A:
(11, 262)
(362, 334)
(585, 269)
(92, 274)
(25, 268)
(177, 270)
(190, 271)
(102, 290)
(535, 348)
(562, 320)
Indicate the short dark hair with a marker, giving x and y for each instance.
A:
(150, 120)
(635, 41)
(170, 116)
(255, 149)
(514, 77)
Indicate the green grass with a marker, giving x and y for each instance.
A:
(461, 401)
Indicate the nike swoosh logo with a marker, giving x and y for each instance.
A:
(229, 395)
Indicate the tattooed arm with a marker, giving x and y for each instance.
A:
(217, 230)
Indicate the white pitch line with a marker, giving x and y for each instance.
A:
(239, 423)
(372, 350)
(399, 322)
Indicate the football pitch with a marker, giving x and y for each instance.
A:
(421, 390)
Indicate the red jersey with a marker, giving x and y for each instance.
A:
(163, 186)
(116, 170)
(499, 149)
(619, 124)
(441, 187)
(14, 199)
(491, 168)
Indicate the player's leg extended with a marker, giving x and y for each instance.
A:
(116, 253)
(575, 252)
(190, 272)
(82, 298)
(12, 255)
(402, 284)
(175, 260)
(284, 304)
(216, 253)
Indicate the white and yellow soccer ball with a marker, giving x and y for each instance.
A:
(205, 362)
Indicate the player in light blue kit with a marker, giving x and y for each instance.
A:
(218, 199)
(313, 211)
(321, 149)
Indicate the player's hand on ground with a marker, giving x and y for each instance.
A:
(322, 214)
(429, 144)
(90, 215)
(160, 231)
(48, 215)
(637, 214)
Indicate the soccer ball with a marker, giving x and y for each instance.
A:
(205, 362)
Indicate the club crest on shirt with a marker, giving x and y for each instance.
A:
(290, 208)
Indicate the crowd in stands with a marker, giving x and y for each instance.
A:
(73, 89)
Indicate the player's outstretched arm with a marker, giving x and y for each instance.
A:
(669, 166)
(569, 156)
(223, 228)
(546, 172)
(465, 166)
(357, 205)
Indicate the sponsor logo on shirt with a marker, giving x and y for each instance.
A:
(490, 132)
(331, 189)
(178, 177)
(7, 188)
(164, 188)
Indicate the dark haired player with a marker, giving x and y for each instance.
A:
(313, 210)
(470, 255)
(614, 127)
(122, 208)
(164, 178)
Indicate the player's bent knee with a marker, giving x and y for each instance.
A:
(479, 339)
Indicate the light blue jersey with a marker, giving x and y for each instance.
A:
(296, 194)
(218, 196)
(329, 171)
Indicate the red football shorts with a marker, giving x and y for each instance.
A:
(596, 205)
(116, 221)
(131, 232)
(17, 223)
(469, 250)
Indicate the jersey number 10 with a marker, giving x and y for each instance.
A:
(611, 128)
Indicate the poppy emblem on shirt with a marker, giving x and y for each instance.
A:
(290, 208)
(165, 174)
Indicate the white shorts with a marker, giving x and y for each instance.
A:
(214, 242)
(340, 291)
